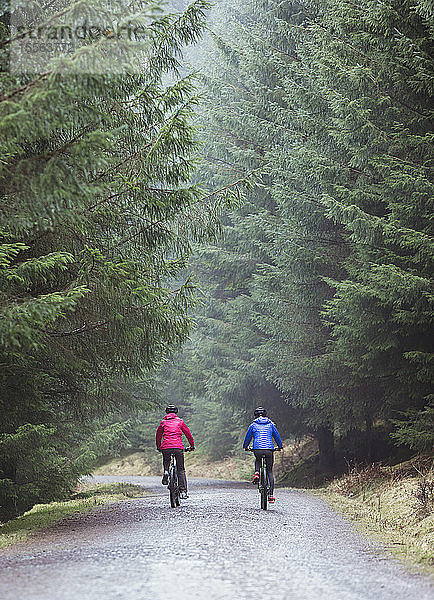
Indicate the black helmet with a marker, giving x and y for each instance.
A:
(171, 409)
(260, 412)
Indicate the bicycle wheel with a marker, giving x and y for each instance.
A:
(173, 488)
(263, 485)
(177, 501)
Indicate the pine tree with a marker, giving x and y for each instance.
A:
(374, 69)
(97, 218)
(324, 272)
(267, 241)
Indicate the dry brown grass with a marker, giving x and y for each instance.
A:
(198, 464)
(395, 503)
(137, 463)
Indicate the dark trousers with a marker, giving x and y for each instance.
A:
(269, 460)
(179, 454)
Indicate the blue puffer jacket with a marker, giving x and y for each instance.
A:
(262, 430)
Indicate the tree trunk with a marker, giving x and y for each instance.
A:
(369, 455)
(8, 470)
(326, 444)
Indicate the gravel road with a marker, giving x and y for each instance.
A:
(217, 546)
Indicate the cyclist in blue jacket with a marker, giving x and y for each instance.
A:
(263, 430)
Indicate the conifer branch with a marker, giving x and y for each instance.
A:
(85, 328)
(231, 185)
(25, 87)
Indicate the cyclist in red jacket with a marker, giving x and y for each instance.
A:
(169, 441)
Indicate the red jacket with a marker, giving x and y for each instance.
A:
(169, 433)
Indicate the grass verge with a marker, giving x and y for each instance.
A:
(394, 504)
(86, 497)
(199, 464)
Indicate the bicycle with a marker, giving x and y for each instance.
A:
(173, 484)
(263, 483)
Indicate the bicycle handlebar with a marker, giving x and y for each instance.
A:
(253, 449)
(190, 449)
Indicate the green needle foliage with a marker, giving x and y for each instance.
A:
(320, 290)
(97, 217)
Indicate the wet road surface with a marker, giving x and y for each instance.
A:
(218, 545)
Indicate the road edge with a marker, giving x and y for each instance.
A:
(42, 516)
(364, 521)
